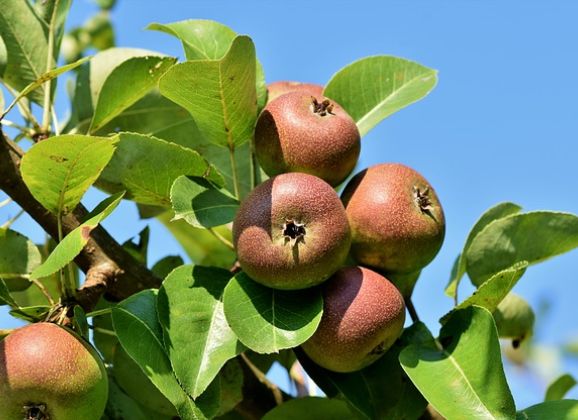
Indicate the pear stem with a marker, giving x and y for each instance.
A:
(411, 309)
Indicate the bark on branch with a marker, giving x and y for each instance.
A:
(109, 269)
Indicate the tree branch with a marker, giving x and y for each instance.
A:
(110, 269)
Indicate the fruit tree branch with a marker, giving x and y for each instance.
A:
(109, 269)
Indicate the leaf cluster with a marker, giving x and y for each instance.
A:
(176, 140)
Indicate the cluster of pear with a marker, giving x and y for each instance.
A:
(294, 231)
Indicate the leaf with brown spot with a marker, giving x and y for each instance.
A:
(59, 170)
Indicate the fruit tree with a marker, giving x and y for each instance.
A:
(299, 257)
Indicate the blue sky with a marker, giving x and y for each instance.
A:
(500, 126)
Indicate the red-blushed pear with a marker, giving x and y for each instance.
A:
(298, 132)
(291, 232)
(49, 373)
(363, 315)
(282, 87)
(396, 219)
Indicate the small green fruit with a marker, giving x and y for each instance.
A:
(291, 232)
(514, 318)
(277, 89)
(49, 373)
(137, 385)
(396, 219)
(363, 315)
(298, 132)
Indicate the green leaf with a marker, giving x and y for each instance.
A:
(91, 79)
(45, 77)
(156, 116)
(165, 265)
(26, 46)
(199, 244)
(104, 337)
(45, 10)
(493, 290)
(2, 103)
(196, 334)
(140, 334)
(202, 204)
(141, 74)
(268, 320)
(560, 410)
(19, 256)
(465, 379)
(31, 313)
(5, 298)
(136, 384)
(557, 389)
(219, 94)
(73, 243)
(146, 167)
(202, 39)
(497, 212)
(231, 378)
(532, 237)
(373, 88)
(209, 40)
(59, 170)
(381, 390)
(120, 406)
(79, 322)
(310, 408)
(3, 57)
(139, 250)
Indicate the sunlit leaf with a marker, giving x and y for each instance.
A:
(532, 237)
(196, 334)
(140, 73)
(560, 387)
(268, 320)
(25, 44)
(219, 94)
(373, 88)
(561, 409)
(140, 334)
(493, 290)
(497, 212)
(465, 378)
(73, 243)
(146, 168)
(59, 170)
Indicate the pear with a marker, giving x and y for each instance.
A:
(48, 372)
(291, 232)
(363, 315)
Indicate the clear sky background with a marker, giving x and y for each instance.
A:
(501, 125)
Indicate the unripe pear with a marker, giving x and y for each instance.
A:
(49, 373)
(279, 88)
(291, 232)
(363, 315)
(396, 219)
(514, 318)
(298, 132)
